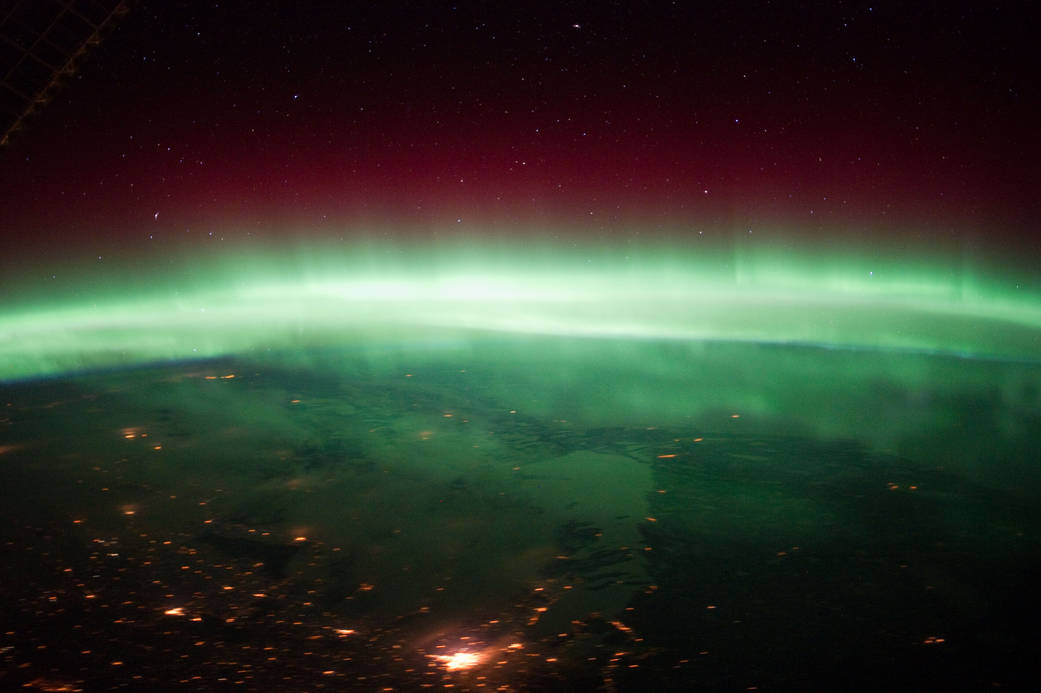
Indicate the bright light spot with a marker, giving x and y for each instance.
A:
(460, 660)
(176, 611)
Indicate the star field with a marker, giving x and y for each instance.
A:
(855, 119)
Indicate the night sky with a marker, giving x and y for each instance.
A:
(210, 122)
(455, 286)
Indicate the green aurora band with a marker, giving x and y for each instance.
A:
(365, 293)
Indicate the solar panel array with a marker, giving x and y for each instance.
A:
(42, 44)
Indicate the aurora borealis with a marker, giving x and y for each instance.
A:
(368, 294)
(588, 346)
(737, 153)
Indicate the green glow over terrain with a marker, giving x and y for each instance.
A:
(376, 294)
